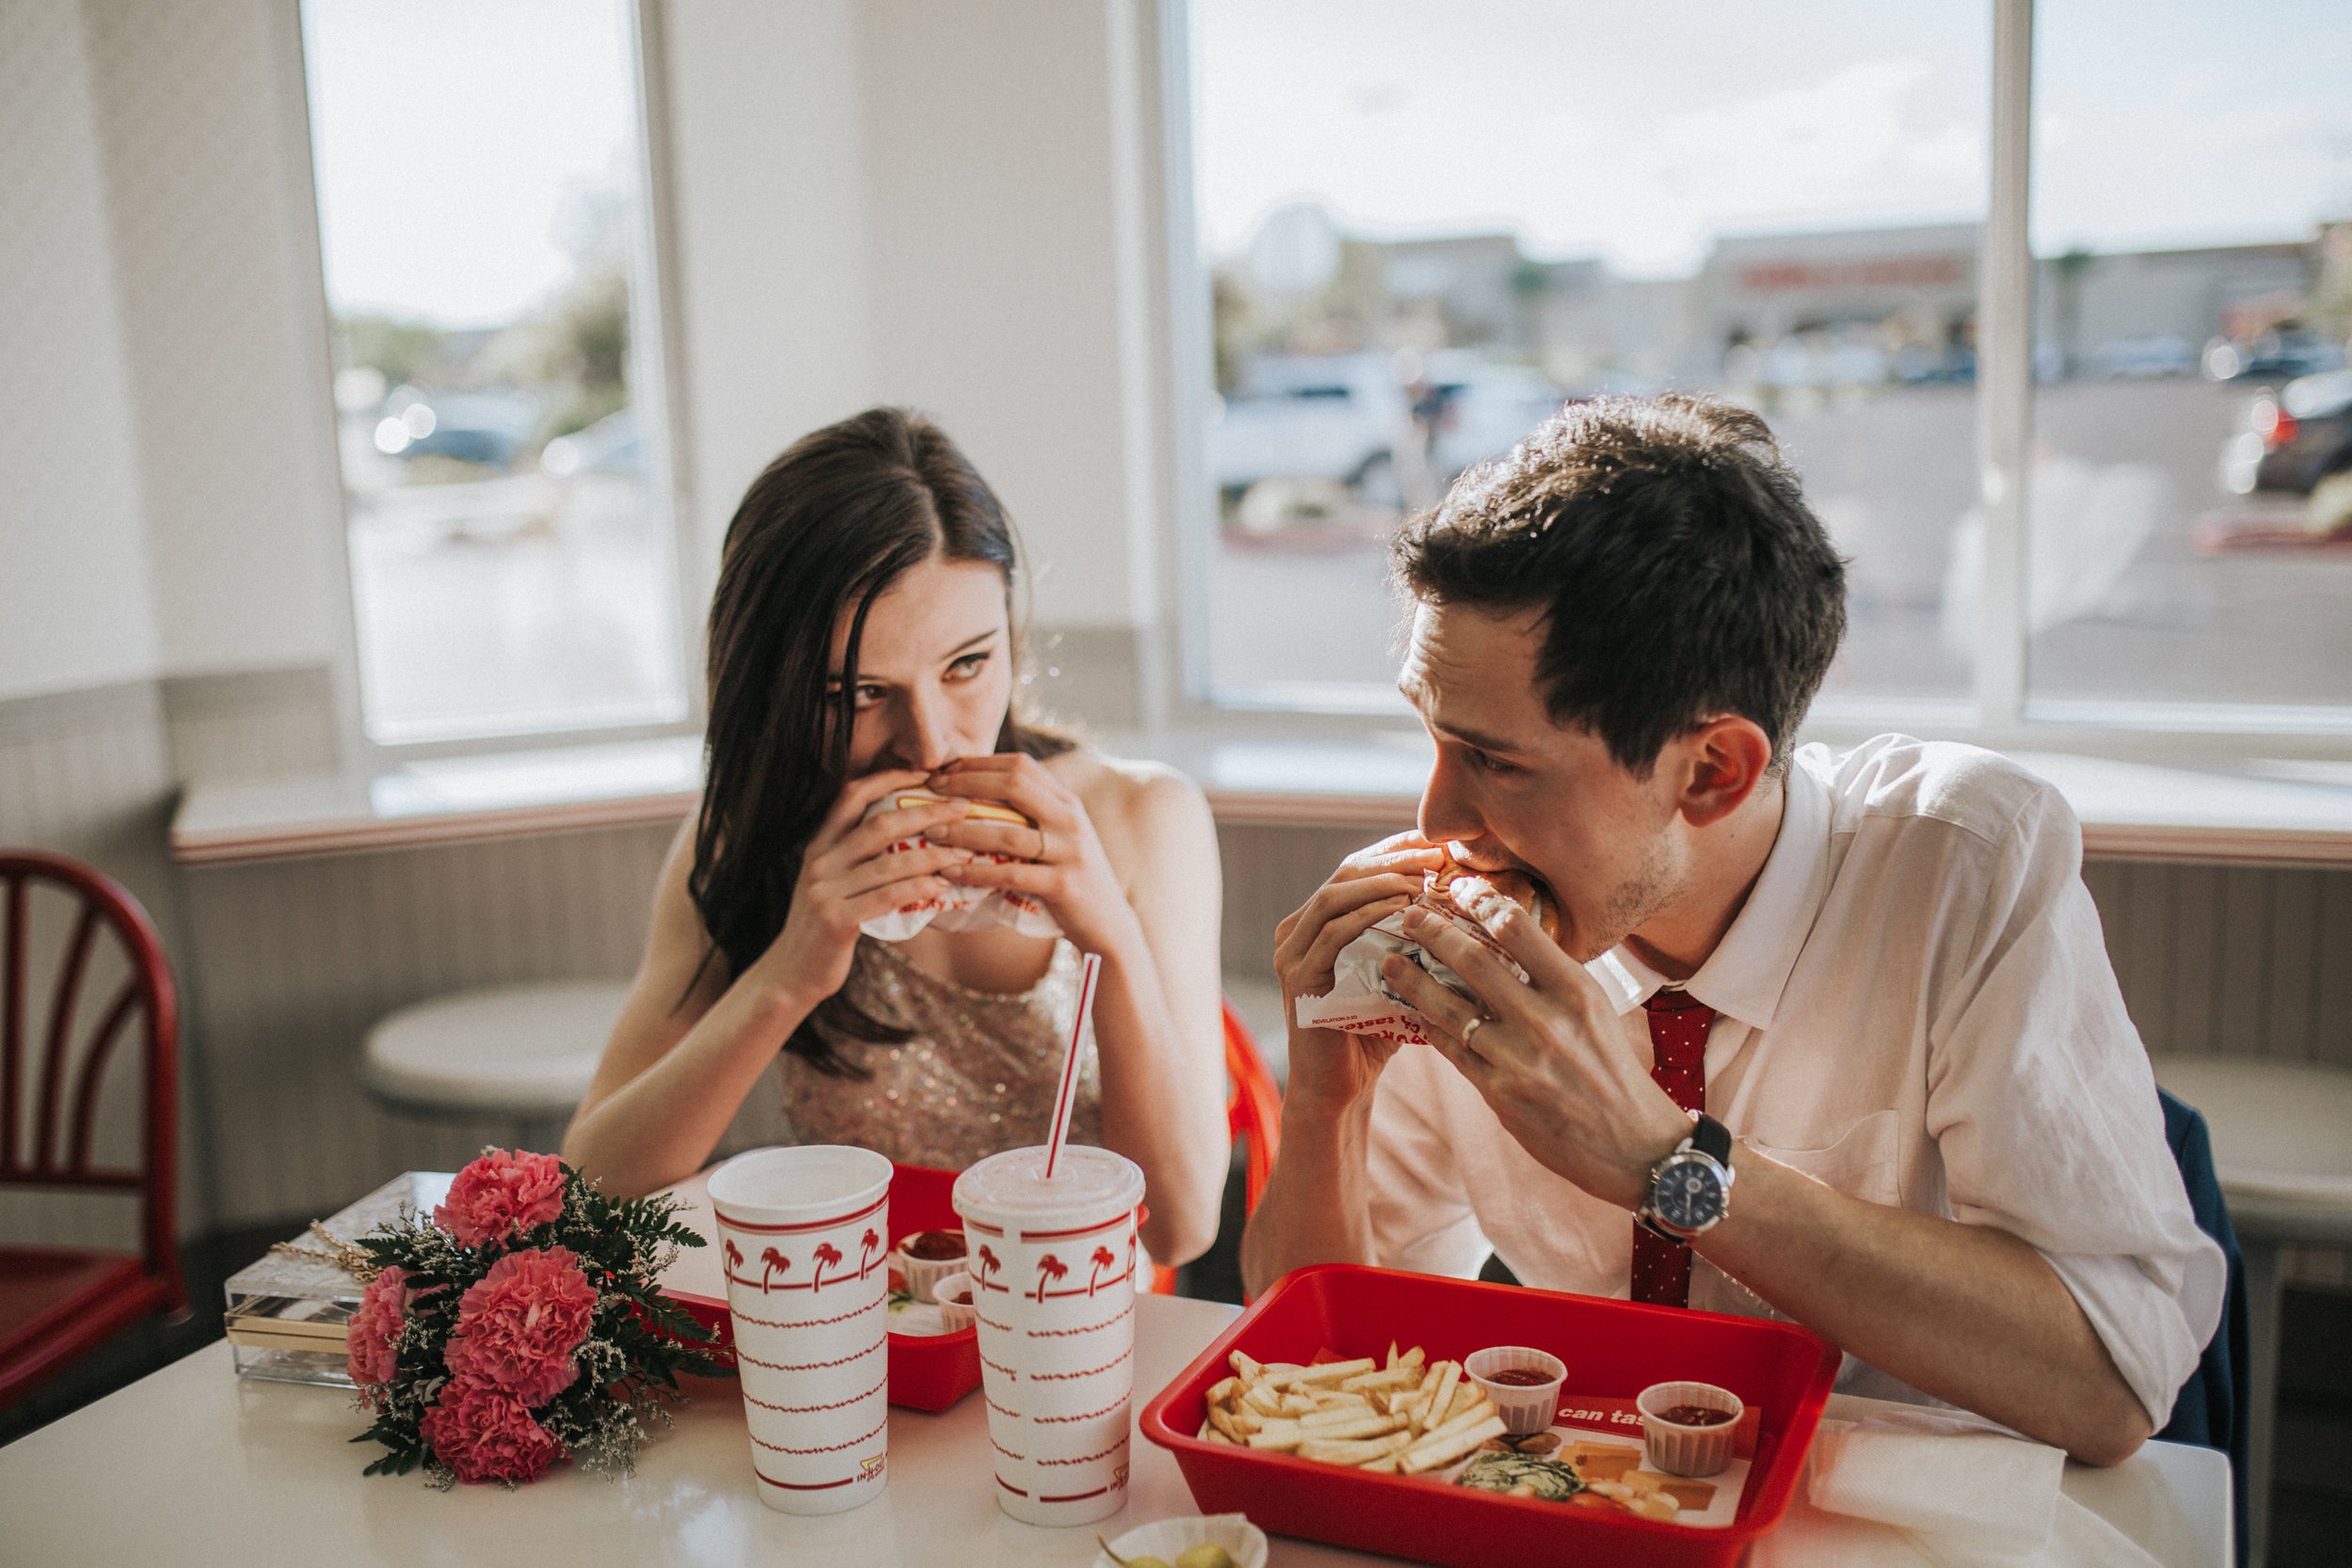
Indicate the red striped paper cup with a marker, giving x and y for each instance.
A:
(802, 1241)
(1053, 1266)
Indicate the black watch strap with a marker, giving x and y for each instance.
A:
(1711, 1138)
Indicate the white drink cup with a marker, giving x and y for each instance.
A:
(804, 1237)
(1053, 1265)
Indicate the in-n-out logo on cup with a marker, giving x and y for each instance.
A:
(1055, 1269)
(802, 1242)
(774, 1266)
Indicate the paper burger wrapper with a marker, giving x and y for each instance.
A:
(1359, 1004)
(960, 909)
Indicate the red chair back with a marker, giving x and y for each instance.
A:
(1253, 1117)
(50, 1088)
(1253, 1111)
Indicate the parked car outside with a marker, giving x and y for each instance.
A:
(1297, 415)
(2295, 438)
(2282, 355)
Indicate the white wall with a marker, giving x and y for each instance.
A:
(74, 608)
(202, 124)
(998, 223)
(767, 205)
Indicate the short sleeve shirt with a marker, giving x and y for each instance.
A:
(1914, 1006)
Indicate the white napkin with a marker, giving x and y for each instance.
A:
(1939, 1488)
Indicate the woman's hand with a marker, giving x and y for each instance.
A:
(1330, 1071)
(846, 878)
(1059, 863)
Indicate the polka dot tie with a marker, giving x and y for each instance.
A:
(1678, 1041)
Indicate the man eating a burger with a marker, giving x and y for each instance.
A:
(1827, 1033)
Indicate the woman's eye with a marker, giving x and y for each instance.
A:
(866, 696)
(966, 667)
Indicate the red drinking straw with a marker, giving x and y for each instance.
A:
(1069, 1090)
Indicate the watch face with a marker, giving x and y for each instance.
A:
(1689, 1194)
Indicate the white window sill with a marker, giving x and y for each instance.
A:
(2253, 812)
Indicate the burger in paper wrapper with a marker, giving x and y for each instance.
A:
(961, 909)
(1359, 1004)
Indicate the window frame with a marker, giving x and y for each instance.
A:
(656, 393)
(1999, 712)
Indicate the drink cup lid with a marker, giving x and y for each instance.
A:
(1012, 1186)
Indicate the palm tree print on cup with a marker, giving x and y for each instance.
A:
(826, 1252)
(1049, 1268)
(1103, 1258)
(990, 1263)
(868, 1246)
(733, 1254)
(772, 1262)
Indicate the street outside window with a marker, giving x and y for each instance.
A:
(481, 214)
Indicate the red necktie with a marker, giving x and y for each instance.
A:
(1677, 1040)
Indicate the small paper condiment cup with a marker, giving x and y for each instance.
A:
(957, 1315)
(1525, 1408)
(923, 1275)
(1686, 1450)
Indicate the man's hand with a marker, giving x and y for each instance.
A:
(1314, 1209)
(1548, 1054)
(1330, 1071)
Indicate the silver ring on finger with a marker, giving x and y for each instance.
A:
(1040, 843)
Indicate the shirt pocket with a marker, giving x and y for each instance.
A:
(1860, 1161)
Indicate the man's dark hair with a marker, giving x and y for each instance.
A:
(1680, 572)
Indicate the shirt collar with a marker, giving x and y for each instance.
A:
(1749, 969)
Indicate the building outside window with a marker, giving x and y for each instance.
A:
(1423, 228)
(483, 217)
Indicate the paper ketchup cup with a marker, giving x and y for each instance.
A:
(1682, 1448)
(953, 1294)
(1502, 1372)
(801, 1240)
(923, 1273)
(1053, 1266)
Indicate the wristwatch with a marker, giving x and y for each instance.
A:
(1689, 1190)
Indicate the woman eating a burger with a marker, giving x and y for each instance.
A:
(869, 766)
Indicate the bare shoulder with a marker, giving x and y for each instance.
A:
(1139, 809)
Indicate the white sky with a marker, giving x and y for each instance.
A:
(454, 139)
(1638, 132)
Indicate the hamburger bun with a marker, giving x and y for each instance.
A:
(982, 811)
(1518, 886)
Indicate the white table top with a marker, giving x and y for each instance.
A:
(192, 1466)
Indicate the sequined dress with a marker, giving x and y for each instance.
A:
(977, 1077)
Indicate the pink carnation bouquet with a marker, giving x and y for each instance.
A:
(521, 1325)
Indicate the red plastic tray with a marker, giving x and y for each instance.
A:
(928, 1371)
(1612, 1348)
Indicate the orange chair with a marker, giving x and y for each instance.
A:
(57, 1303)
(1253, 1116)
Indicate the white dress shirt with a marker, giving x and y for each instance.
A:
(1913, 1006)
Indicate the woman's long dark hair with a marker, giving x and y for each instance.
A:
(830, 524)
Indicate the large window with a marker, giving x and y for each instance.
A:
(482, 206)
(1425, 226)
(2190, 489)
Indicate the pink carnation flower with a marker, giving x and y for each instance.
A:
(518, 1327)
(485, 1435)
(501, 1194)
(383, 1308)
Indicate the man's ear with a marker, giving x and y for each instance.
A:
(1723, 761)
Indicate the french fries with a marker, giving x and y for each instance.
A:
(1398, 1414)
